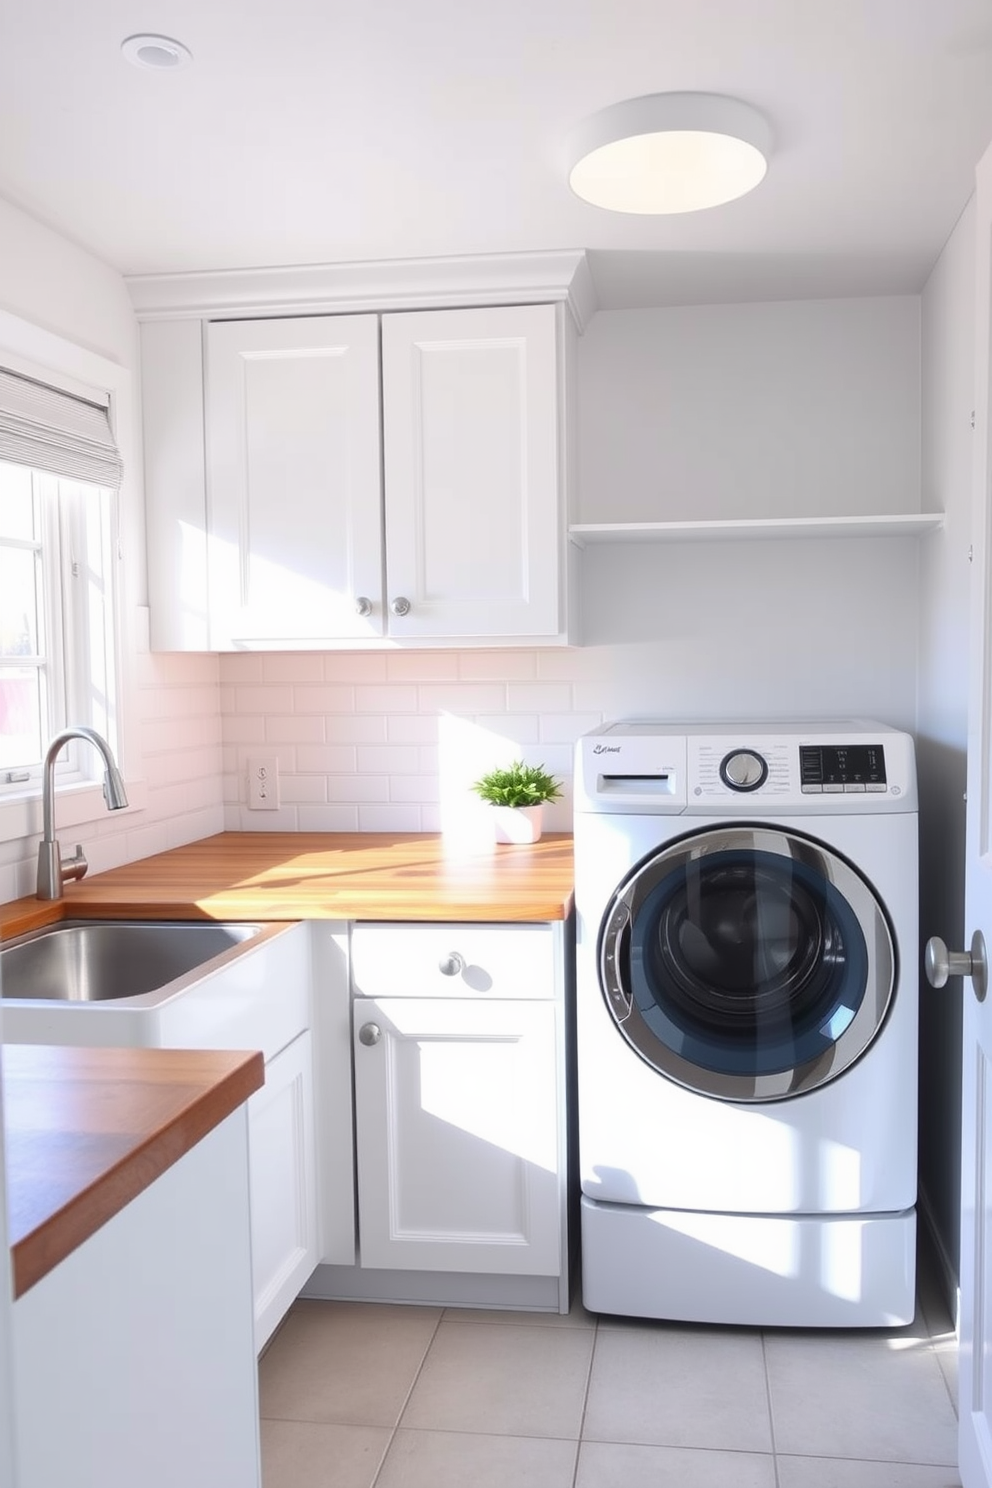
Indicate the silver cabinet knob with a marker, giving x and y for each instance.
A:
(363, 606)
(453, 964)
(940, 964)
(400, 606)
(369, 1034)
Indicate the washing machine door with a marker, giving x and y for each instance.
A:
(747, 963)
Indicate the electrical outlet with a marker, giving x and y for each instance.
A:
(263, 782)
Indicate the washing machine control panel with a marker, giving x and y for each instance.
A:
(842, 769)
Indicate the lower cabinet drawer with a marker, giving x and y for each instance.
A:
(453, 960)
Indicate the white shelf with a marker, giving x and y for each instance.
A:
(910, 524)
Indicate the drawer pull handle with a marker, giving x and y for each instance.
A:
(453, 964)
(369, 1034)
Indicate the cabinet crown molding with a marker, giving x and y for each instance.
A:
(427, 283)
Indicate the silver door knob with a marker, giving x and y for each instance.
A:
(452, 964)
(363, 606)
(369, 1034)
(940, 964)
(400, 605)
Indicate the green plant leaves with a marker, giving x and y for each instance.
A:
(517, 785)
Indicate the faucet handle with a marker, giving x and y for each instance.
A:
(76, 866)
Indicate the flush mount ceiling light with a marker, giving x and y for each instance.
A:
(669, 152)
(160, 53)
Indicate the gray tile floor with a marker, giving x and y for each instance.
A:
(355, 1395)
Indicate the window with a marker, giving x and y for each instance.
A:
(57, 558)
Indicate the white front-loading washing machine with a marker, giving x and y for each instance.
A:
(747, 990)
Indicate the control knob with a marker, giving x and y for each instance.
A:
(744, 770)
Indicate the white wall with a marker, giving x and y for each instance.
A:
(172, 716)
(948, 399)
(807, 408)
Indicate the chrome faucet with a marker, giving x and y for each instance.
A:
(53, 869)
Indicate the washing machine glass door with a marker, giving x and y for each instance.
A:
(747, 963)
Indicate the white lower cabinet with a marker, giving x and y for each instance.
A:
(134, 1358)
(283, 1185)
(456, 1105)
(459, 1047)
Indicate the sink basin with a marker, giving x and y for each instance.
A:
(103, 960)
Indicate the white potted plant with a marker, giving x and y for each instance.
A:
(517, 794)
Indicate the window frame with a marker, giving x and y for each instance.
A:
(49, 358)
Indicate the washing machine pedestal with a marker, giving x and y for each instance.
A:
(805, 1271)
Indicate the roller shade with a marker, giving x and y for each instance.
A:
(52, 430)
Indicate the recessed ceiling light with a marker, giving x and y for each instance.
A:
(160, 53)
(669, 152)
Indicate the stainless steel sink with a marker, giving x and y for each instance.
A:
(103, 960)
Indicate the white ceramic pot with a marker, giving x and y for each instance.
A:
(518, 823)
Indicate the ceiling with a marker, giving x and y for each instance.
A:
(319, 131)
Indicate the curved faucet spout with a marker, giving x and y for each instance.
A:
(53, 870)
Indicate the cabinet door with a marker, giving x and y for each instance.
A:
(457, 1136)
(473, 516)
(294, 510)
(283, 1198)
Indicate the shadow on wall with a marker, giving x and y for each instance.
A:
(942, 770)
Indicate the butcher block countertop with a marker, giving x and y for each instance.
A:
(317, 875)
(88, 1129)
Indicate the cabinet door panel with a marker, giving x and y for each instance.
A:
(471, 466)
(293, 459)
(457, 1126)
(283, 1197)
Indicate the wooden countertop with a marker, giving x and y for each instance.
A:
(87, 1129)
(310, 875)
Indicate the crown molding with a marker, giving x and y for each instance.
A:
(314, 289)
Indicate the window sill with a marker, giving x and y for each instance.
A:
(77, 804)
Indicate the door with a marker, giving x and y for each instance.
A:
(294, 521)
(975, 1391)
(283, 1186)
(473, 513)
(747, 963)
(456, 1106)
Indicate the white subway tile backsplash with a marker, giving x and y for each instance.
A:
(497, 666)
(385, 700)
(293, 666)
(411, 728)
(358, 788)
(326, 759)
(539, 697)
(363, 728)
(297, 789)
(338, 818)
(422, 788)
(391, 818)
(297, 729)
(351, 666)
(240, 667)
(422, 666)
(388, 759)
(463, 700)
(519, 728)
(264, 700)
(323, 699)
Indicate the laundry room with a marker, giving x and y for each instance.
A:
(752, 546)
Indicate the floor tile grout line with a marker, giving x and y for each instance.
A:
(406, 1399)
(768, 1400)
(585, 1402)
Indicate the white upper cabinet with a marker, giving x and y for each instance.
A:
(293, 486)
(471, 472)
(308, 486)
